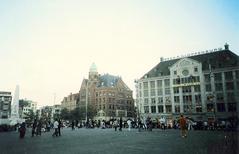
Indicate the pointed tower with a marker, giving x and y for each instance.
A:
(93, 74)
(15, 104)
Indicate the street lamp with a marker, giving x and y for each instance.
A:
(86, 101)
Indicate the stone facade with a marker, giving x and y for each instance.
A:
(70, 102)
(107, 94)
(203, 87)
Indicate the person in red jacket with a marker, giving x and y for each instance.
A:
(182, 123)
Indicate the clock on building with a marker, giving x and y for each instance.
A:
(185, 72)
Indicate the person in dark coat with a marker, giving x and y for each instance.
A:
(59, 127)
(34, 125)
(120, 124)
(73, 125)
(39, 126)
(22, 130)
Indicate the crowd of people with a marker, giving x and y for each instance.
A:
(183, 123)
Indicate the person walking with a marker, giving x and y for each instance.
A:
(72, 125)
(22, 130)
(182, 123)
(39, 126)
(129, 124)
(59, 127)
(34, 125)
(120, 124)
(115, 124)
(55, 126)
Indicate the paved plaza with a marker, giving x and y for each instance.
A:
(107, 141)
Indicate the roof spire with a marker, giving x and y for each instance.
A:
(93, 68)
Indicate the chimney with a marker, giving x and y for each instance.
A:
(226, 46)
(161, 59)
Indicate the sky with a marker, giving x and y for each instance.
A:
(47, 47)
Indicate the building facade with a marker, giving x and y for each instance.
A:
(5, 104)
(31, 106)
(108, 95)
(202, 86)
(70, 102)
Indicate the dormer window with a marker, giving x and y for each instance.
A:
(195, 69)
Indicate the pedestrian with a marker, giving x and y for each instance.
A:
(72, 125)
(55, 126)
(120, 124)
(115, 124)
(22, 130)
(129, 124)
(182, 123)
(34, 125)
(39, 126)
(139, 124)
(59, 127)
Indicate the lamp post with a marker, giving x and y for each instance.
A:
(86, 102)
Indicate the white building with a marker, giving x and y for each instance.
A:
(56, 111)
(32, 106)
(5, 104)
(203, 86)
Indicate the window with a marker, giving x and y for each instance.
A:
(237, 85)
(219, 96)
(177, 109)
(146, 93)
(207, 77)
(220, 107)
(229, 85)
(208, 88)
(218, 87)
(146, 109)
(228, 76)
(198, 98)
(167, 91)
(146, 101)
(168, 108)
(187, 99)
(159, 83)
(232, 107)
(166, 82)
(145, 85)
(153, 109)
(175, 72)
(152, 92)
(160, 100)
(197, 88)
(153, 101)
(186, 89)
(230, 97)
(195, 69)
(187, 108)
(160, 108)
(152, 84)
(176, 90)
(199, 109)
(210, 107)
(176, 99)
(218, 77)
(160, 92)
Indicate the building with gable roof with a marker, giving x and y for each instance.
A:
(203, 86)
(109, 96)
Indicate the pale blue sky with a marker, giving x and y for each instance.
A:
(47, 46)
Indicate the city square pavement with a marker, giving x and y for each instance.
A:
(107, 141)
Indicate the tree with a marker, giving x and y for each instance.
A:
(65, 114)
